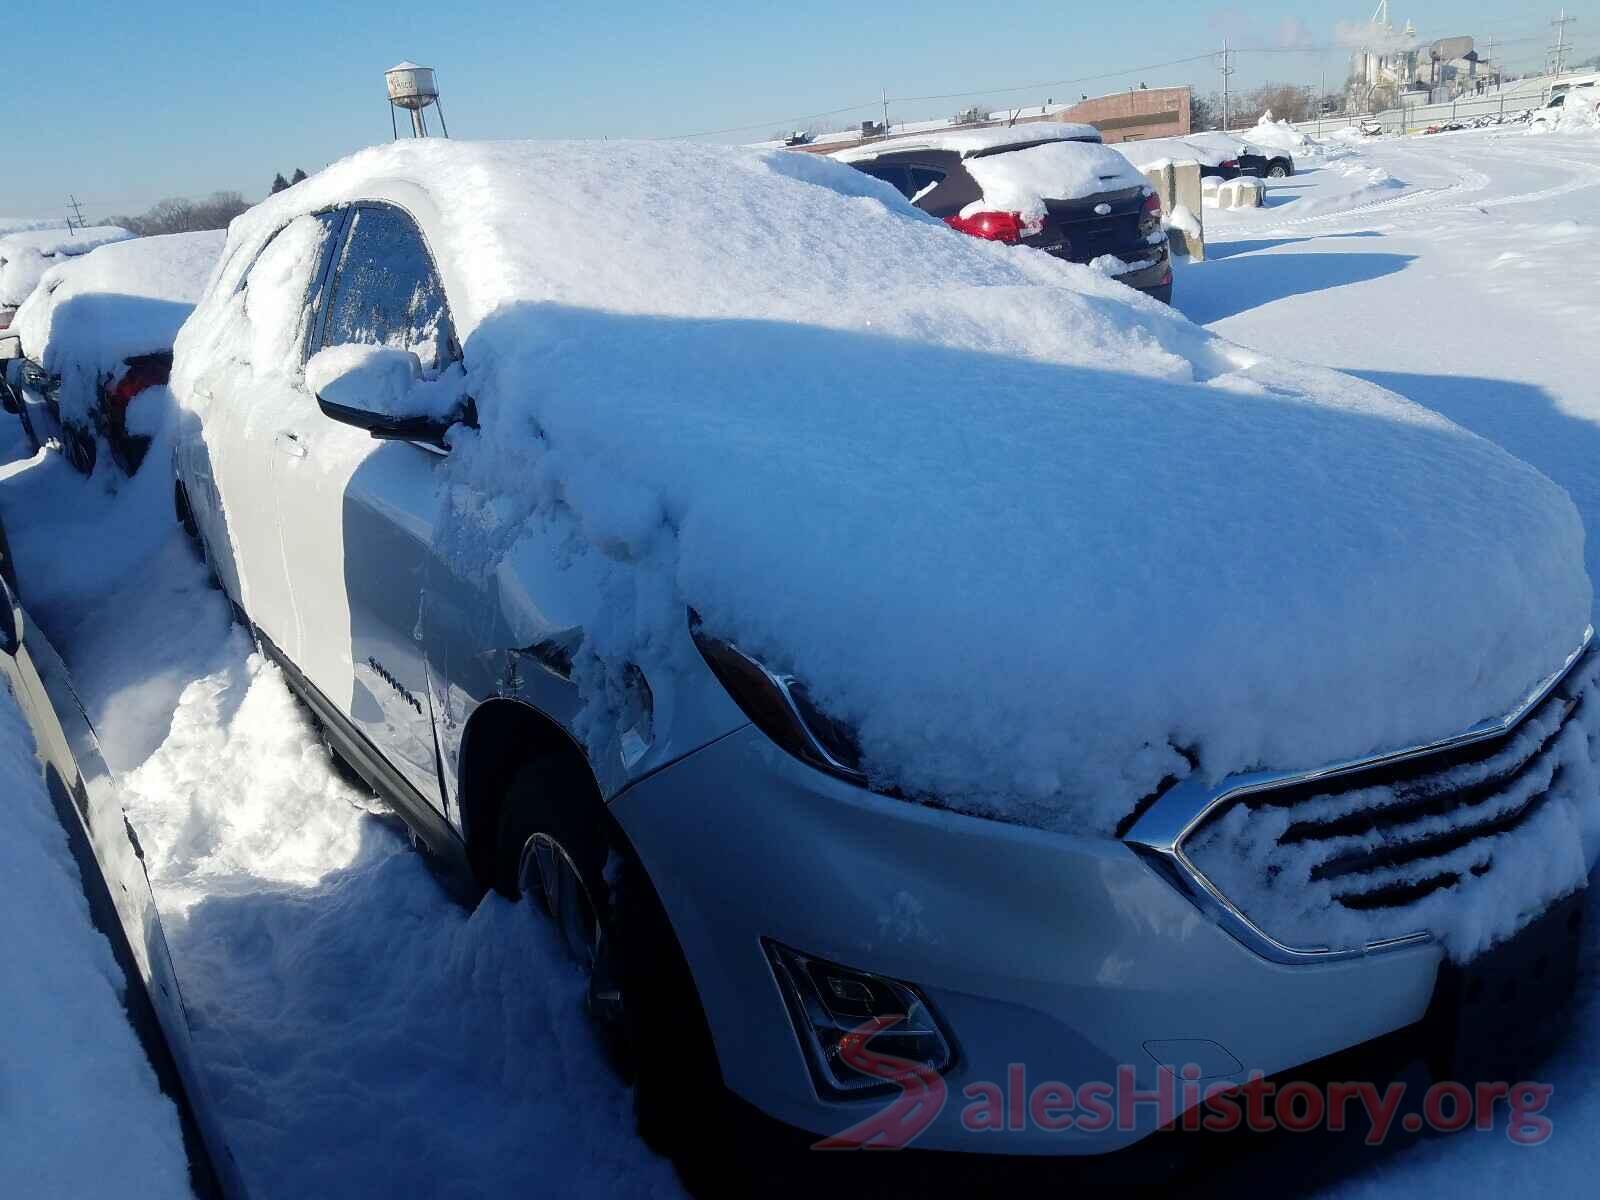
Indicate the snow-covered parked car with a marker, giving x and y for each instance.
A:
(95, 334)
(1050, 187)
(1576, 104)
(27, 254)
(1222, 163)
(889, 657)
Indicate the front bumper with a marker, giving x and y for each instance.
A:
(1065, 956)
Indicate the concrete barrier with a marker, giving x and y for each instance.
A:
(1179, 189)
(1243, 192)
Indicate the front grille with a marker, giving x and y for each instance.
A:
(1456, 843)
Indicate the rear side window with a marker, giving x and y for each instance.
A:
(896, 177)
(386, 290)
(923, 181)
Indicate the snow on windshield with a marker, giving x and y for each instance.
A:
(1041, 540)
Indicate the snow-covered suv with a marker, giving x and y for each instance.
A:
(888, 656)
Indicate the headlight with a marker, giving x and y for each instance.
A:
(779, 705)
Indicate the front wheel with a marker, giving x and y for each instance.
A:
(556, 855)
(1277, 171)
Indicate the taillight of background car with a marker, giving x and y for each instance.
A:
(1150, 214)
(1008, 227)
(152, 370)
(143, 373)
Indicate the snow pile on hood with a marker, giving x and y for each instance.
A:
(26, 256)
(1041, 540)
(974, 141)
(1022, 180)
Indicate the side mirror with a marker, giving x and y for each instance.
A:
(382, 390)
(10, 346)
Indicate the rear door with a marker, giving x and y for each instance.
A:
(248, 407)
(357, 513)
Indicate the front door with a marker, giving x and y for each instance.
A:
(357, 513)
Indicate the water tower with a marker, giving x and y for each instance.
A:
(412, 88)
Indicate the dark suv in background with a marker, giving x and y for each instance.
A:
(1079, 225)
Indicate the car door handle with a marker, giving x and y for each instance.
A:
(290, 444)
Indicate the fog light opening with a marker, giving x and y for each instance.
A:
(860, 1032)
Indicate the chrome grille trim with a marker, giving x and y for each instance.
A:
(1159, 833)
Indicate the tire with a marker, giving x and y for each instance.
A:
(80, 449)
(641, 993)
(185, 515)
(1277, 171)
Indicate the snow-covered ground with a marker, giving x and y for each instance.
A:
(79, 1101)
(364, 1033)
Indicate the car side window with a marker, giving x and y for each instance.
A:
(386, 290)
(894, 176)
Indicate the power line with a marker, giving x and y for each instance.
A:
(795, 122)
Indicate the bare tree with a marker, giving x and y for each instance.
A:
(186, 216)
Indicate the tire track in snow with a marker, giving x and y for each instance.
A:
(1447, 198)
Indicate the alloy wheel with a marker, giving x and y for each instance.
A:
(548, 877)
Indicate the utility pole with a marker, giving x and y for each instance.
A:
(885, 112)
(1226, 70)
(1559, 50)
(77, 211)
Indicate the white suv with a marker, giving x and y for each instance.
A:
(889, 656)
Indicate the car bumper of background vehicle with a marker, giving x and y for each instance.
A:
(1066, 957)
(1154, 280)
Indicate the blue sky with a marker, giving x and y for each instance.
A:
(123, 104)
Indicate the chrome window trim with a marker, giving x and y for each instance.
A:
(1159, 833)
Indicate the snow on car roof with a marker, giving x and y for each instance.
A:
(122, 299)
(974, 141)
(1153, 151)
(78, 240)
(26, 255)
(1039, 539)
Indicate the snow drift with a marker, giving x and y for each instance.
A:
(1042, 541)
